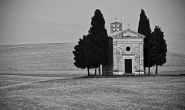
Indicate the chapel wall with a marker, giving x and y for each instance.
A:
(120, 53)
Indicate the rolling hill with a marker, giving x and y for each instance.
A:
(58, 57)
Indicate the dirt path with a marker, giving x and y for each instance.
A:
(31, 78)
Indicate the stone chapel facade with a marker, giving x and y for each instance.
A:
(125, 52)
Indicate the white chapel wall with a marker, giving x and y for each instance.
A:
(120, 53)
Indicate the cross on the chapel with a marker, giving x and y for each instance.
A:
(115, 18)
(128, 25)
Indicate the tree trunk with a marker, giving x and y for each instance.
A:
(144, 70)
(156, 69)
(88, 71)
(95, 71)
(99, 70)
(156, 65)
(149, 70)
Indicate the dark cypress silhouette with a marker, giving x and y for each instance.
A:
(100, 38)
(144, 28)
(84, 54)
(158, 47)
(81, 54)
(91, 51)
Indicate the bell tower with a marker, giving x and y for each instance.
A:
(115, 27)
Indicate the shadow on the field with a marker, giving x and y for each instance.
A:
(129, 75)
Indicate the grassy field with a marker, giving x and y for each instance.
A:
(167, 93)
(43, 77)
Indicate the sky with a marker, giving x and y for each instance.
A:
(58, 21)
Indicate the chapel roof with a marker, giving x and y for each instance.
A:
(128, 33)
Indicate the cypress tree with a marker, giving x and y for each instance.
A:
(91, 51)
(144, 28)
(100, 38)
(158, 47)
(81, 55)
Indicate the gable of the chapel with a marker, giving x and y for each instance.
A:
(127, 34)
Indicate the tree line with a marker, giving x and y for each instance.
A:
(92, 50)
(155, 47)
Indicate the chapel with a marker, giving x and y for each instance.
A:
(125, 52)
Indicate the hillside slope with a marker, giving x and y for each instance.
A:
(59, 57)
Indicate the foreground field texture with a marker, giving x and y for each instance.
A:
(43, 77)
(144, 93)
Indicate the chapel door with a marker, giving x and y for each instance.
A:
(128, 65)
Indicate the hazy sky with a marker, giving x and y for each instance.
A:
(168, 14)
